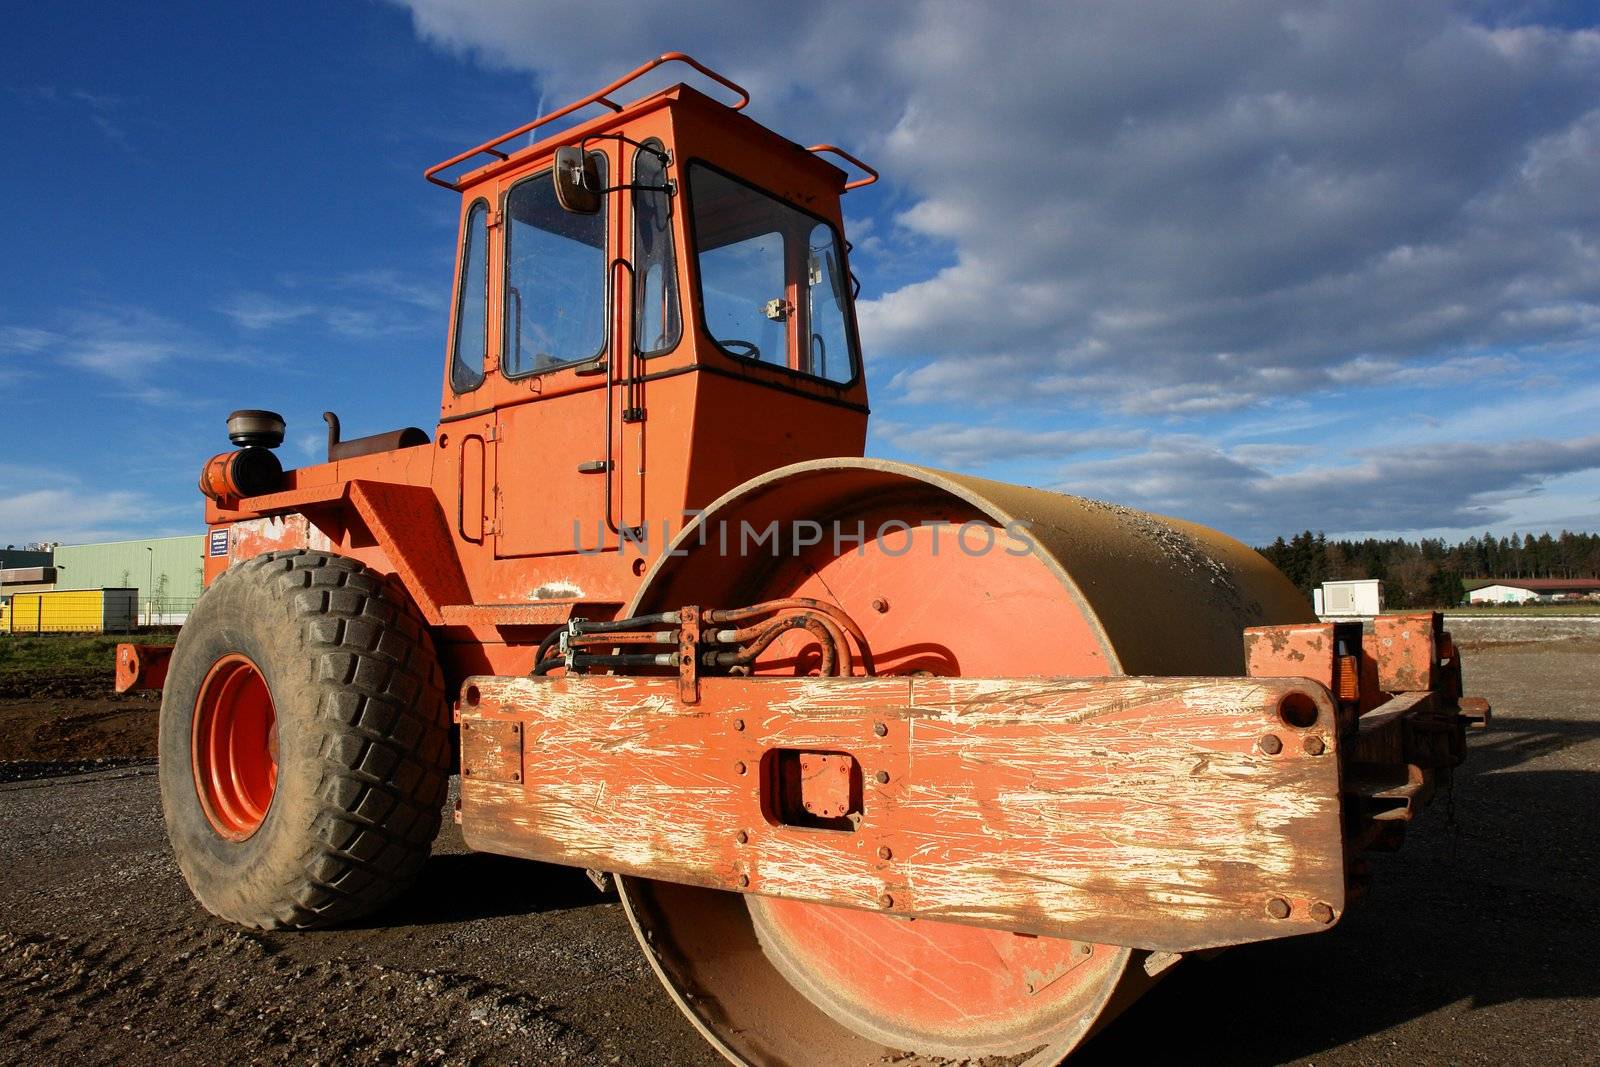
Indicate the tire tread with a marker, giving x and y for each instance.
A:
(380, 705)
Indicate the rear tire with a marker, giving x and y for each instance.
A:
(304, 742)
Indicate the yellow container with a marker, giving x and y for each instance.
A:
(72, 611)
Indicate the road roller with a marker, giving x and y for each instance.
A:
(886, 763)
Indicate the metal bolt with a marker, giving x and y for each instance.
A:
(881, 729)
(884, 853)
(885, 900)
(1278, 908)
(466, 772)
(515, 728)
(880, 605)
(1084, 950)
(1313, 746)
(1271, 745)
(740, 767)
(741, 837)
(738, 724)
(744, 880)
(1322, 913)
(516, 777)
(882, 777)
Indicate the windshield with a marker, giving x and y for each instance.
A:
(772, 281)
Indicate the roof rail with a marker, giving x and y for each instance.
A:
(602, 97)
(872, 175)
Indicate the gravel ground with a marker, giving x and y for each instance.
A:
(1479, 942)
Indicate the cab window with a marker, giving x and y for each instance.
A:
(829, 353)
(555, 280)
(656, 322)
(472, 303)
(764, 265)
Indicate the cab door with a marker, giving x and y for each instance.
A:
(463, 468)
(553, 465)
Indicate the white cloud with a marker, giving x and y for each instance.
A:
(1455, 485)
(957, 446)
(24, 340)
(40, 504)
(70, 516)
(1293, 192)
(369, 303)
(126, 350)
(125, 344)
(1188, 208)
(828, 49)
(259, 311)
(99, 108)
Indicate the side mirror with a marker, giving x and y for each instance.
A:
(577, 181)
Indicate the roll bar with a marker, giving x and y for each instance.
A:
(602, 97)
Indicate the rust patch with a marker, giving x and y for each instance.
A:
(1293, 651)
(1407, 651)
(491, 750)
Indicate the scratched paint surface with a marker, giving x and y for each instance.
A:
(1133, 811)
(251, 537)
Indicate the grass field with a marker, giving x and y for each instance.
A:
(66, 656)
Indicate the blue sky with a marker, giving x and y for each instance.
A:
(1266, 266)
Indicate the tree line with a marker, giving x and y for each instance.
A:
(1429, 573)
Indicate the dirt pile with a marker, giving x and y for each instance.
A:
(65, 721)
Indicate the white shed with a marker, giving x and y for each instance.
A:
(1359, 596)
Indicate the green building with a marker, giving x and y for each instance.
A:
(167, 572)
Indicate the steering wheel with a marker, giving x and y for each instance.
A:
(751, 351)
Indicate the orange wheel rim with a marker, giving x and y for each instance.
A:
(235, 747)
